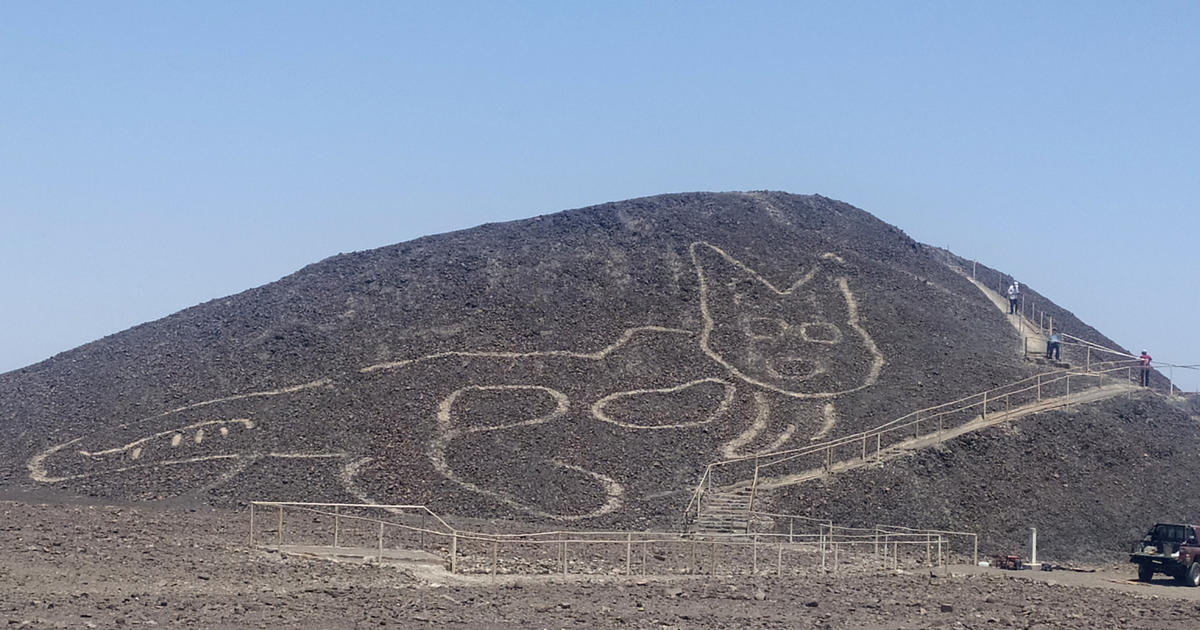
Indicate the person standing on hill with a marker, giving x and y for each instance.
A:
(1144, 364)
(1014, 296)
(1052, 346)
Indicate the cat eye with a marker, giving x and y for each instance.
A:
(757, 327)
(820, 332)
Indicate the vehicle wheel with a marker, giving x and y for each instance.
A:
(1145, 572)
(1193, 575)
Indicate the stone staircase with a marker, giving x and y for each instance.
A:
(728, 512)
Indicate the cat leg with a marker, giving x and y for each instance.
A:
(829, 419)
(758, 439)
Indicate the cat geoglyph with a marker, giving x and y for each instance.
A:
(515, 417)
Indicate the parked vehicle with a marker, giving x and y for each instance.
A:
(1169, 548)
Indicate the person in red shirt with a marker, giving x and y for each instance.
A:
(1144, 363)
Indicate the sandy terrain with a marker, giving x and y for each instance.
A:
(98, 566)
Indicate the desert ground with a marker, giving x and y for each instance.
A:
(74, 565)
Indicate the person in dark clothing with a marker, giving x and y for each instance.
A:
(1144, 365)
(1052, 346)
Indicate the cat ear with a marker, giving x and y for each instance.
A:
(716, 267)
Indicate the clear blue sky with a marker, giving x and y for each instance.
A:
(154, 155)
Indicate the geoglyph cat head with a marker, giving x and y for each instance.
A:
(804, 340)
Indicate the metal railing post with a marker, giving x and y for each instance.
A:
(712, 558)
(753, 493)
(336, 527)
(629, 553)
(496, 557)
(984, 414)
(252, 524)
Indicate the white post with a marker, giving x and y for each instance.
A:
(1033, 546)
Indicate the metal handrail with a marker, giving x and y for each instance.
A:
(910, 419)
(893, 426)
(831, 540)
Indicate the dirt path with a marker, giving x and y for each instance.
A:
(1023, 325)
(1115, 577)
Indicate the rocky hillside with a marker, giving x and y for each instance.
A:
(579, 367)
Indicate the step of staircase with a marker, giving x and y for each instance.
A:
(727, 512)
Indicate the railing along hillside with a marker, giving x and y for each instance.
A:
(880, 540)
(1045, 391)
(400, 533)
(1041, 324)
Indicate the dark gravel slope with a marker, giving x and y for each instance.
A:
(576, 367)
